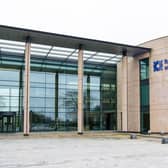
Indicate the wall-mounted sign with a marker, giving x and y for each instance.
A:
(160, 65)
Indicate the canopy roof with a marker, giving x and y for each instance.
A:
(65, 47)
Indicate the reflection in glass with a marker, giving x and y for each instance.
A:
(9, 96)
(54, 95)
(42, 101)
(101, 100)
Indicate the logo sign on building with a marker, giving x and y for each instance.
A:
(160, 65)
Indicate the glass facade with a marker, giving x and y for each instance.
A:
(100, 109)
(144, 95)
(53, 94)
(10, 98)
(42, 100)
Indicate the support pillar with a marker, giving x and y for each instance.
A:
(124, 93)
(80, 92)
(27, 88)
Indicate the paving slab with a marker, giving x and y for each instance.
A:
(79, 152)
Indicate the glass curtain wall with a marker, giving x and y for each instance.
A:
(109, 99)
(144, 95)
(10, 102)
(42, 101)
(67, 102)
(92, 103)
(53, 94)
(100, 108)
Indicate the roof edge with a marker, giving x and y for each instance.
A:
(153, 40)
(69, 36)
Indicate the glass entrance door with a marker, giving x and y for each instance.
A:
(110, 121)
(7, 122)
(145, 122)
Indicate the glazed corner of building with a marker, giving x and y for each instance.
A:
(142, 87)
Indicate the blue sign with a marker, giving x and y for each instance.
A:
(160, 65)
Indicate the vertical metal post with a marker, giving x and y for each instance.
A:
(80, 91)
(101, 106)
(56, 100)
(20, 100)
(27, 87)
(87, 113)
(125, 92)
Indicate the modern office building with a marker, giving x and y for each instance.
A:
(53, 82)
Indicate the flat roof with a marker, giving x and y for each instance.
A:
(59, 40)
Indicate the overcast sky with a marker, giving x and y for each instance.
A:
(123, 21)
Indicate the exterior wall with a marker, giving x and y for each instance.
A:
(122, 94)
(158, 86)
(119, 96)
(124, 86)
(133, 95)
(53, 95)
(158, 89)
(132, 109)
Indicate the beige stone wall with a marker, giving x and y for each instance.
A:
(158, 90)
(158, 86)
(132, 109)
(133, 95)
(122, 94)
(119, 96)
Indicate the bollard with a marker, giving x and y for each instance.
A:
(133, 136)
(164, 140)
(162, 133)
(149, 132)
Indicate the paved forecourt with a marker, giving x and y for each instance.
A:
(92, 152)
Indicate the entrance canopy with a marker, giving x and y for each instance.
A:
(63, 47)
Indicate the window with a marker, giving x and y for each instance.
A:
(144, 69)
(144, 95)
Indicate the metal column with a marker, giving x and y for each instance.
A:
(80, 91)
(27, 88)
(125, 92)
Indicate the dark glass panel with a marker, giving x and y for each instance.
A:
(144, 95)
(94, 121)
(42, 121)
(144, 69)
